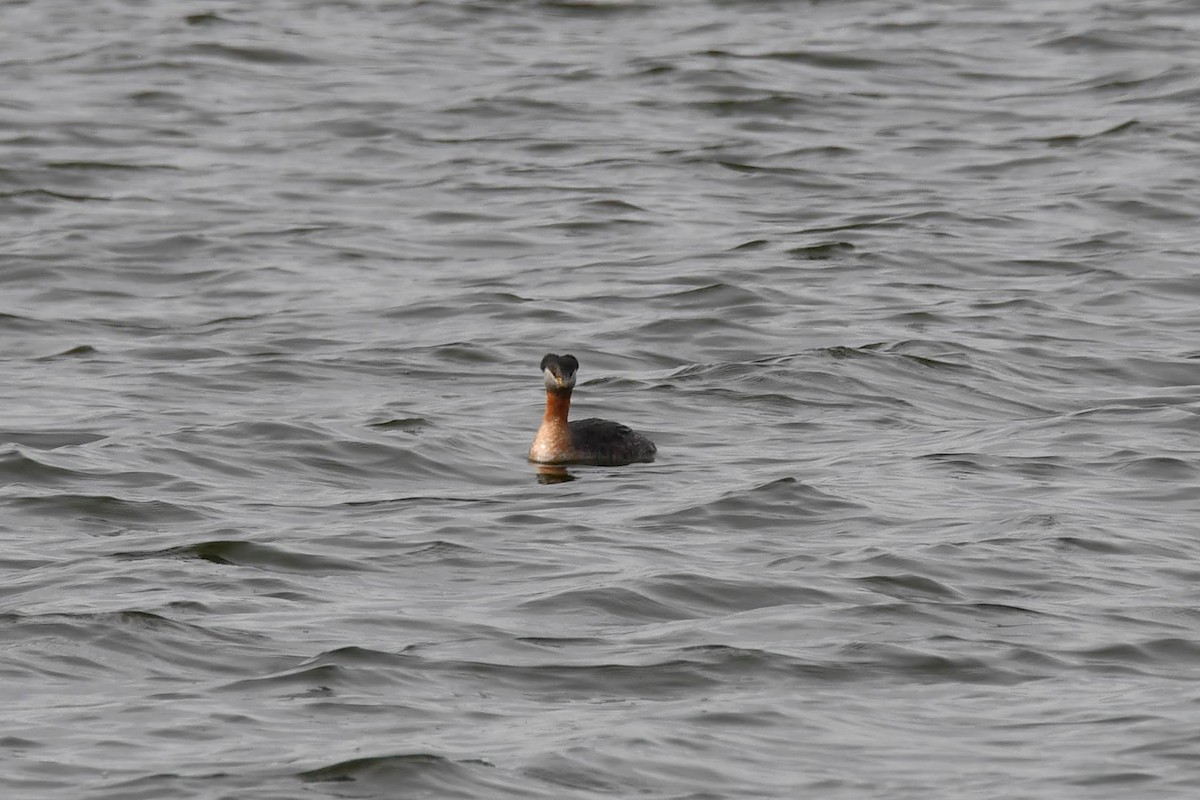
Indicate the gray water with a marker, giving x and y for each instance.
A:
(906, 294)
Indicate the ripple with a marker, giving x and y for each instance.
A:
(251, 554)
(420, 772)
(80, 647)
(782, 499)
(106, 508)
(251, 55)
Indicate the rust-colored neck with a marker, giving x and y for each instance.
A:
(558, 403)
(552, 445)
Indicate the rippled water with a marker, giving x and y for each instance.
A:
(905, 293)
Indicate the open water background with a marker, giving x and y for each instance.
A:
(906, 293)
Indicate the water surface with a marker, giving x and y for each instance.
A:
(904, 292)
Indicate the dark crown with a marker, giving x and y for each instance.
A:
(563, 365)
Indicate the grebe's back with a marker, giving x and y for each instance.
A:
(588, 441)
(610, 444)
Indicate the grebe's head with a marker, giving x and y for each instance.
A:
(559, 371)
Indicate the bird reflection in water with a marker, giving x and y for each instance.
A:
(553, 473)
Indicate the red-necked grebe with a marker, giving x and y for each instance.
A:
(586, 441)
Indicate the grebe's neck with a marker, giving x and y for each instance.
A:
(553, 444)
(558, 403)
